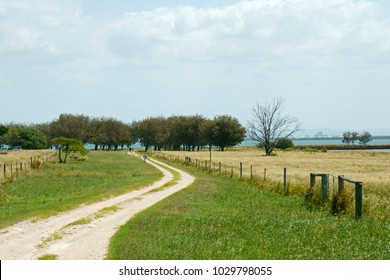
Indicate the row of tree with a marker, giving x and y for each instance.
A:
(352, 137)
(172, 133)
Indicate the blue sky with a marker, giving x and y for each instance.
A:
(329, 59)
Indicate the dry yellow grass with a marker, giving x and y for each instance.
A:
(372, 168)
(14, 158)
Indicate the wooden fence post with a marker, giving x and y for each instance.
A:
(340, 184)
(240, 169)
(325, 181)
(358, 200)
(285, 179)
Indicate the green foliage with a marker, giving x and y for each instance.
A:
(284, 143)
(227, 132)
(3, 130)
(27, 137)
(352, 137)
(67, 146)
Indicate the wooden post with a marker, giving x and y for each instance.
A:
(312, 180)
(340, 184)
(265, 173)
(358, 200)
(240, 169)
(325, 181)
(5, 170)
(285, 180)
(220, 167)
(251, 172)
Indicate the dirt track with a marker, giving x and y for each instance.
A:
(84, 233)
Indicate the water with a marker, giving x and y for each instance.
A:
(324, 142)
(319, 142)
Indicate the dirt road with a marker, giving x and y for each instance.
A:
(84, 233)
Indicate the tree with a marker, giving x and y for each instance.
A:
(27, 137)
(227, 132)
(68, 145)
(3, 131)
(70, 126)
(269, 125)
(365, 137)
(347, 137)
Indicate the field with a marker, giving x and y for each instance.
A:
(218, 218)
(372, 168)
(14, 158)
(55, 187)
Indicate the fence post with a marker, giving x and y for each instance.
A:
(358, 199)
(240, 169)
(340, 184)
(312, 180)
(325, 181)
(219, 167)
(265, 173)
(285, 179)
(251, 172)
(5, 170)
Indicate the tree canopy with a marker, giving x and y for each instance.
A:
(68, 146)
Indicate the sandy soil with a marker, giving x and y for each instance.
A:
(84, 233)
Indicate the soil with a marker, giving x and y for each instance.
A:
(85, 233)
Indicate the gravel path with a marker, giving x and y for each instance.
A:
(84, 233)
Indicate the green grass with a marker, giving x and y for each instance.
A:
(48, 257)
(59, 187)
(217, 218)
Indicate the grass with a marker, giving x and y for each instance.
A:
(372, 168)
(59, 187)
(48, 257)
(218, 218)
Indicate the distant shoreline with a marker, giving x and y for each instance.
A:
(344, 147)
(332, 138)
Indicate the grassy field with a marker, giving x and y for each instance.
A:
(14, 158)
(57, 187)
(218, 218)
(372, 168)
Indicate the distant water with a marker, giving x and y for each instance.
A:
(383, 141)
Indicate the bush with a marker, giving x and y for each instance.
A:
(284, 143)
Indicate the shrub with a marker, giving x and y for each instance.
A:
(284, 143)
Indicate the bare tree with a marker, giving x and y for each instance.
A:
(269, 125)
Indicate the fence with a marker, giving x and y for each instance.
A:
(330, 190)
(20, 167)
(231, 171)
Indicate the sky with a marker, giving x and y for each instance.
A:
(328, 59)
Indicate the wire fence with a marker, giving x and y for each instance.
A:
(20, 167)
(332, 192)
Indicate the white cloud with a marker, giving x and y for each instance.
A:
(267, 46)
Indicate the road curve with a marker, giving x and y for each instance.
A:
(84, 233)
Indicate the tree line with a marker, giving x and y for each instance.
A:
(352, 137)
(168, 133)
